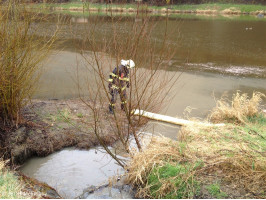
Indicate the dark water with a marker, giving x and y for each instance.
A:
(224, 46)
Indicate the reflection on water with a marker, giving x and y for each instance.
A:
(221, 42)
(71, 171)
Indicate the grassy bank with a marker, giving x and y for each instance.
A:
(218, 8)
(180, 16)
(208, 162)
(10, 186)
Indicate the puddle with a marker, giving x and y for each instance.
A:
(70, 171)
(73, 172)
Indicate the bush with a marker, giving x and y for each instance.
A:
(21, 54)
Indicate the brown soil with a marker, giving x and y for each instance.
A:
(36, 189)
(52, 125)
(231, 189)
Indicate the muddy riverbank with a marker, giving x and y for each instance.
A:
(50, 125)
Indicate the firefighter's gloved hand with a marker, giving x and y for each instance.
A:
(128, 84)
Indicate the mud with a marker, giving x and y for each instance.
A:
(117, 190)
(52, 125)
(36, 189)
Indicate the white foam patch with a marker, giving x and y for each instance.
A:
(245, 70)
(232, 69)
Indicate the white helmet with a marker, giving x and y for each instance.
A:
(124, 62)
(131, 64)
(128, 63)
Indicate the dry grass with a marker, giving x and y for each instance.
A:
(235, 151)
(238, 109)
(234, 154)
(2, 164)
(147, 168)
(143, 163)
(239, 152)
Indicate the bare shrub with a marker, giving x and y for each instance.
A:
(150, 82)
(238, 109)
(21, 56)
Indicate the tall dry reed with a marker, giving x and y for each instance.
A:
(238, 109)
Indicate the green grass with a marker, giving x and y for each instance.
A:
(177, 16)
(215, 191)
(253, 133)
(172, 181)
(10, 188)
(61, 116)
(172, 16)
(80, 115)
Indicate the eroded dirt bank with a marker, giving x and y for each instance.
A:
(50, 126)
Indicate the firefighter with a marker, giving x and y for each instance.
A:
(118, 81)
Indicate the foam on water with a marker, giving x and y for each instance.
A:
(230, 69)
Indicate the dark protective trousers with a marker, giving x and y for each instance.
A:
(123, 97)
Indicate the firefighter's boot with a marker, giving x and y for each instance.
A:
(123, 105)
(111, 108)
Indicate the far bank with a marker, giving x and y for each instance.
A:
(210, 8)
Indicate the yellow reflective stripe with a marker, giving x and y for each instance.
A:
(123, 102)
(114, 87)
(123, 79)
(113, 75)
(111, 104)
(110, 80)
(123, 88)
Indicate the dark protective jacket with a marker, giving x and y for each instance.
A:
(119, 79)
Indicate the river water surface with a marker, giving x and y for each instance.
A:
(213, 56)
